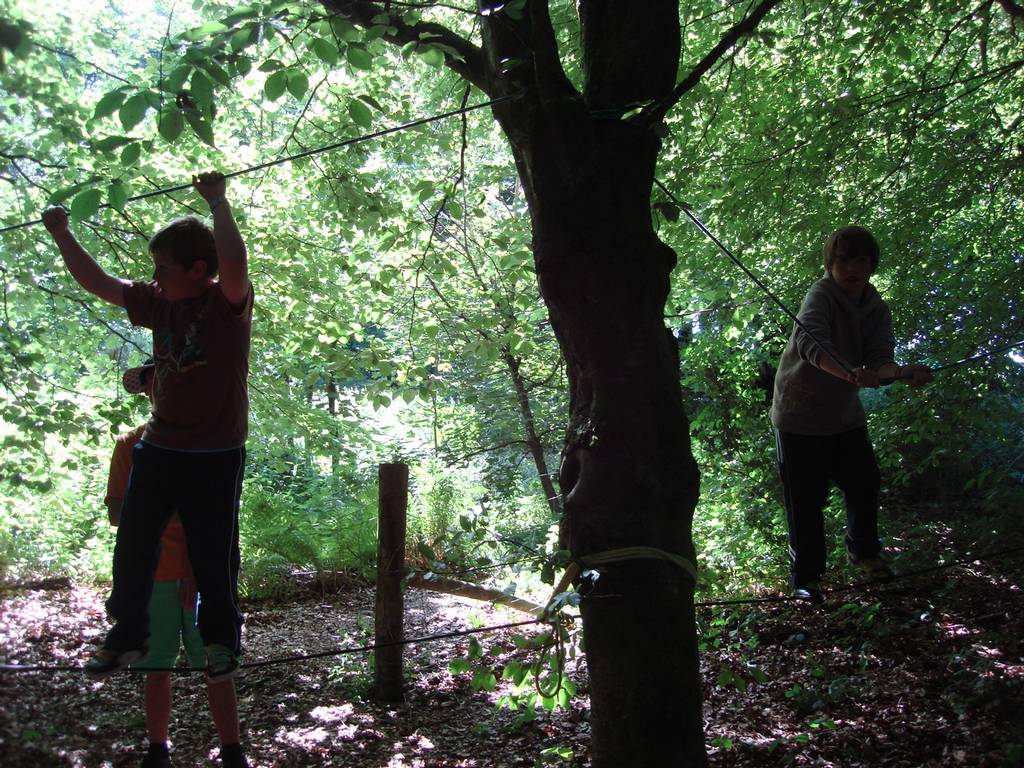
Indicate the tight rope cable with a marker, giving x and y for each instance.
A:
(981, 356)
(859, 585)
(297, 657)
(887, 380)
(300, 155)
(512, 625)
(768, 292)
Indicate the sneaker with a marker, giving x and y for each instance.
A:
(221, 663)
(157, 756)
(874, 568)
(231, 756)
(106, 661)
(809, 592)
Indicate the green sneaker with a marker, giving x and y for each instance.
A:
(221, 663)
(874, 568)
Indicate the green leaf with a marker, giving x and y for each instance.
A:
(432, 56)
(61, 195)
(86, 204)
(176, 80)
(360, 58)
(360, 113)
(206, 30)
(217, 72)
(344, 29)
(241, 13)
(325, 50)
(275, 86)
(130, 154)
(117, 194)
(201, 128)
(202, 91)
(298, 84)
(110, 143)
(243, 38)
(133, 111)
(109, 104)
(171, 124)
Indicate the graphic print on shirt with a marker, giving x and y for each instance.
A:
(179, 353)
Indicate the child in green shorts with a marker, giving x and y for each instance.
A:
(172, 616)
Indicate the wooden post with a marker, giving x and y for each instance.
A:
(393, 497)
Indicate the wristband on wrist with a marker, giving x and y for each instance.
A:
(217, 201)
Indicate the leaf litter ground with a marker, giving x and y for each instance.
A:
(924, 672)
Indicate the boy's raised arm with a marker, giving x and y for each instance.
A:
(231, 253)
(80, 264)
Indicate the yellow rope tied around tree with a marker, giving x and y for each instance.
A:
(560, 624)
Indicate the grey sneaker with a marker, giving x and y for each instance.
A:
(221, 663)
(810, 592)
(106, 661)
(874, 568)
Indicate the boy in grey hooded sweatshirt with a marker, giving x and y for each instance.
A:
(821, 428)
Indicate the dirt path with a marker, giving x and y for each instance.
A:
(925, 672)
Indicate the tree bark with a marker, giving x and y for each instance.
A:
(628, 476)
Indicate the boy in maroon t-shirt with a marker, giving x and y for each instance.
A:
(192, 454)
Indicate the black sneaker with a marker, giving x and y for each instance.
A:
(106, 661)
(221, 663)
(157, 756)
(810, 592)
(231, 756)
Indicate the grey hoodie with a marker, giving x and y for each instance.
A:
(809, 401)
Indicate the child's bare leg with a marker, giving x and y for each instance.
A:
(224, 708)
(157, 698)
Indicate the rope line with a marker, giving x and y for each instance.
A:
(300, 155)
(859, 585)
(685, 208)
(295, 657)
(966, 559)
(767, 291)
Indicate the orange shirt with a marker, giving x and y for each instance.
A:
(174, 563)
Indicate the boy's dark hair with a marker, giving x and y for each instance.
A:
(851, 241)
(187, 240)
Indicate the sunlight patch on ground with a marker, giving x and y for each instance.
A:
(335, 714)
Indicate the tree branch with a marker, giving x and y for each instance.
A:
(471, 66)
(1012, 8)
(657, 111)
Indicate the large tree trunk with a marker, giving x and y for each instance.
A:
(628, 476)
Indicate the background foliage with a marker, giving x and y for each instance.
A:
(397, 314)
